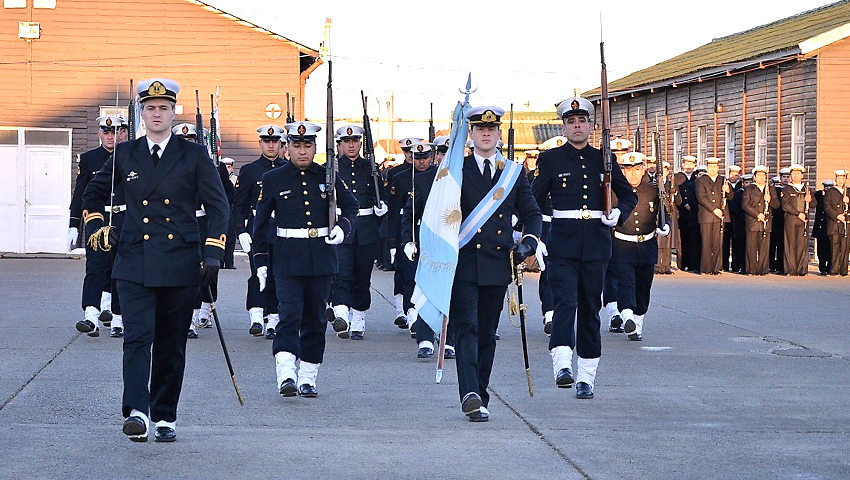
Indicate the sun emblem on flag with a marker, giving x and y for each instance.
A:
(442, 172)
(451, 217)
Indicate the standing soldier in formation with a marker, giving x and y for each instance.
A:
(581, 242)
(796, 199)
(350, 295)
(248, 186)
(819, 230)
(728, 252)
(305, 256)
(651, 167)
(739, 224)
(687, 257)
(758, 203)
(547, 303)
(666, 243)
(98, 303)
(712, 194)
(777, 234)
(635, 247)
(836, 200)
(161, 259)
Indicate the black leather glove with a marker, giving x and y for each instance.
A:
(209, 271)
(523, 249)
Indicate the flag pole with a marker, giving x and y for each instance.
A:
(442, 346)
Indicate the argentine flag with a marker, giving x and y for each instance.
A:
(438, 234)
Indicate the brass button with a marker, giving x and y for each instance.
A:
(581, 157)
(478, 246)
(637, 221)
(584, 166)
(146, 220)
(498, 248)
(498, 232)
(304, 183)
(309, 224)
(584, 207)
(147, 237)
(307, 213)
(305, 192)
(636, 214)
(584, 197)
(306, 202)
(479, 230)
(171, 236)
(144, 202)
(585, 176)
(167, 219)
(302, 172)
(353, 182)
(501, 215)
(584, 187)
(166, 201)
(354, 191)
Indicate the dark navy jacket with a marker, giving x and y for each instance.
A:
(644, 219)
(298, 200)
(90, 163)
(357, 175)
(398, 196)
(248, 186)
(160, 245)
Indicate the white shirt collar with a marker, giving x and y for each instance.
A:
(480, 161)
(161, 144)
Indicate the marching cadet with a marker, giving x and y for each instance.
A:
(398, 198)
(819, 230)
(728, 253)
(422, 170)
(441, 146)
(620, 148)
(97, 301)
(758, 203)
(248, 186)
(635, 248)
(712, 192)
(777, 234)
(739, 222)
(581, 242)
(796, 199)
(350, 294)
(651, 165)
(305, 256)
(836, 200)
(688, 250)
(161, 259)
(203, 306)
(547, 303)
(666, 243)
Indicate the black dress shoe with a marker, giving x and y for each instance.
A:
(192, 334)
(135, 428)
(449, 354)
(478, 416)
(85, 326)
(95, 333)
(584, 391)
(204, 323)
(425, 352)
(355, 335)
(471, 403)
(256, 329)
(340, 326)
(547, 328)
(496, 336)
(105, 317)
(270, 333)
(329, 315)
(400, 321)
(631, 331)
(564, 378)
(117, 332)
(616, 324)
(307, 390)
(287, 388)
(164, 434)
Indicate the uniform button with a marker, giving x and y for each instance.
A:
(478, 246)
(354, 191)
(636, 213)
(637, 221)
(637, 229)
(302, 173)
(353, 182)
(584, 207)
(585, 176)
(304, 183)
(309, 224)
(584, 166)
(305, 192)
(500, 215)
(167, 219)
(146, 219)
(166, 201)
(147, 237)
(171, 236)
(306, 202)
(498, 232)
(581, 157)
(145, 202)
(584, 197)
(479, 230)
(307, 213)
(498, 248)
(713, 200)
(584, 187)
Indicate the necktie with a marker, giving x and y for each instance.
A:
(155, 154)
(488, 174)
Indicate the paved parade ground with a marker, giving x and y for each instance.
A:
(737, 378)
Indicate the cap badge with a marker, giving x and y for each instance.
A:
(302, 129)
(271, 131)
(408, 142)
(156, 88)
(108, 122)
(559, 142)
(488, 116)
(349, 131)
(419, 148)
(185, 129)
(447, 143)
(574, 105)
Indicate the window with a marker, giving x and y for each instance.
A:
(702, 144)
(761, 141)
(798, 139)
(14, 3)
(678, 148)
(730, 144)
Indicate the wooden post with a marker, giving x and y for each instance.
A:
(778, 118)
(744, 125)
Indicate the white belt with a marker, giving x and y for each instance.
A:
(115, 208)
(547, 218)
(360, 213)
(634, 238)
(302, 232)
(200, 213)
(254, 212)
(577, 214)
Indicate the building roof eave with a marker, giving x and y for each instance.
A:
(824, 39)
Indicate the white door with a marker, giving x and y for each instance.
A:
(47, 198)
(11, 194)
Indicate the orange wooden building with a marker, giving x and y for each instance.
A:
(80, 53)
(773, 95)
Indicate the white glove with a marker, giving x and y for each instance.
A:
(514, 219)
(245, 241)
(381, 209)
(540, 253)
(73, 233)
(392, 255)
(611, 219)
(410, 250)
(336, 237)
(663, 231)
(262, 274)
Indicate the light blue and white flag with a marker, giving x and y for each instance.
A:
(438, 233)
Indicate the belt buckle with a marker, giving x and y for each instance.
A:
(640, 238)
(585, 214)
(115, 209)
(312, 233)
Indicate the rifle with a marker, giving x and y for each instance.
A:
(330, 156)
(659, 176)
(607, 165)
(293, 108)
(638, 137)
(288, 112)
(199, 121)
(806, 211)
(369, 150)
(766, 211)
(511, 151)
(131, 114)
(214, 132)
(432, 134)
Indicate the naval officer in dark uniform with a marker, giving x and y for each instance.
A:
(758, 203)
(161, 259)
(796, 199)
(580, 242)
(350, 292)
(97, 301)
(305, 256)
(248, 186)
(713, 193)
(835, 202)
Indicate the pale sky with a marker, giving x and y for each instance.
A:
(533, 52)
